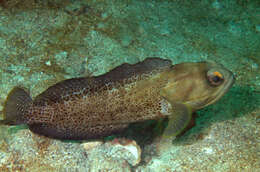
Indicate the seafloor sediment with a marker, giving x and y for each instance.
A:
(43, 42)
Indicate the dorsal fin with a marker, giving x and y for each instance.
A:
(126, 70)
(77, 86)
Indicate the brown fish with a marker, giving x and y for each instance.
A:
(94, 107)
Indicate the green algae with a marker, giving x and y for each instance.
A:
(14, 129)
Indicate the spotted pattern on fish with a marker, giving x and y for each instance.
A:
(94, 107)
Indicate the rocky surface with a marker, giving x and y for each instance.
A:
(43, 42)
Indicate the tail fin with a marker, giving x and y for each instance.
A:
(17, 103)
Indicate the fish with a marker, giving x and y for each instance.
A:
(98, 106)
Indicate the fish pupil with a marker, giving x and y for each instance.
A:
(216, 79)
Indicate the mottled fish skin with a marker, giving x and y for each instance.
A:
(87, 108)
(94, 107)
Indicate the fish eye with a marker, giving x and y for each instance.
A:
(215, 78)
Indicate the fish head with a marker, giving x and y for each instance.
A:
(197, 84)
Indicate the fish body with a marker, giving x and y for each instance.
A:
(94, 107)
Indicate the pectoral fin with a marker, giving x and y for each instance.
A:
(178, 120)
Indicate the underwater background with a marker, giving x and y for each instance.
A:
(45, 41)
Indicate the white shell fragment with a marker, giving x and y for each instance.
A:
(125, 149)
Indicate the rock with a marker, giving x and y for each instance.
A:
(120, 150)
(105, 163)
(91, 145)
(125, 149)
